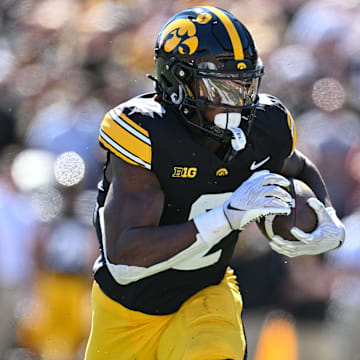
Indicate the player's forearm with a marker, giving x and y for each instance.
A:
(146, 246)
(142, 251)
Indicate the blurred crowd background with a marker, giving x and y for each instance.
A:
(64, 63)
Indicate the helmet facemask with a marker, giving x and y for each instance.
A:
(234, 90)
(204, 88)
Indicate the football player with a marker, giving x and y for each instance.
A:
(188, 167)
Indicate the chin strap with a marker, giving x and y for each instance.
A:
(238, 142)
(231, 122)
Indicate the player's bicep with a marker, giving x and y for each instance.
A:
(135, 199)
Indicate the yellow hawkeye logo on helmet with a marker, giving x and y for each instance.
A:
(183, 37)
(241, 66)
(203, 18)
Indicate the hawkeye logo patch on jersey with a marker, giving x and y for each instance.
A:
(184, 172)
(222, 172)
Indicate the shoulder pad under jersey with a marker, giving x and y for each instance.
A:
(124, 132)
(272, 104)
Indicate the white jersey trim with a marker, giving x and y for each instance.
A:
(184, 260)
(129, 128)
(123, 151)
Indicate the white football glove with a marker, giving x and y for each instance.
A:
(328, 235)
(258, 196)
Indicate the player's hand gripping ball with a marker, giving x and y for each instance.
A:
(302, 215)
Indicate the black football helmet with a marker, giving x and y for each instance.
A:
(205, 57)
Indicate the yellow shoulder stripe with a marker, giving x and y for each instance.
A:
(124, 141)
(292, 128)
(230, 28)
(117, 153)
(132, 123)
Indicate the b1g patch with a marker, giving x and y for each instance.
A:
(184, 172)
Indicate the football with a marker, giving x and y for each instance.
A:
(301, 216)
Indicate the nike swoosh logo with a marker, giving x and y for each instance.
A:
(233, 208)
(256, 165)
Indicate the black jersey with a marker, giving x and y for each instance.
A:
(194, 180)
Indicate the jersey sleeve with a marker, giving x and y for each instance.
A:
(292, 130)
(279, 125)
(125, 138)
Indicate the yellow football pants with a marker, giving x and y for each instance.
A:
(208, 326)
